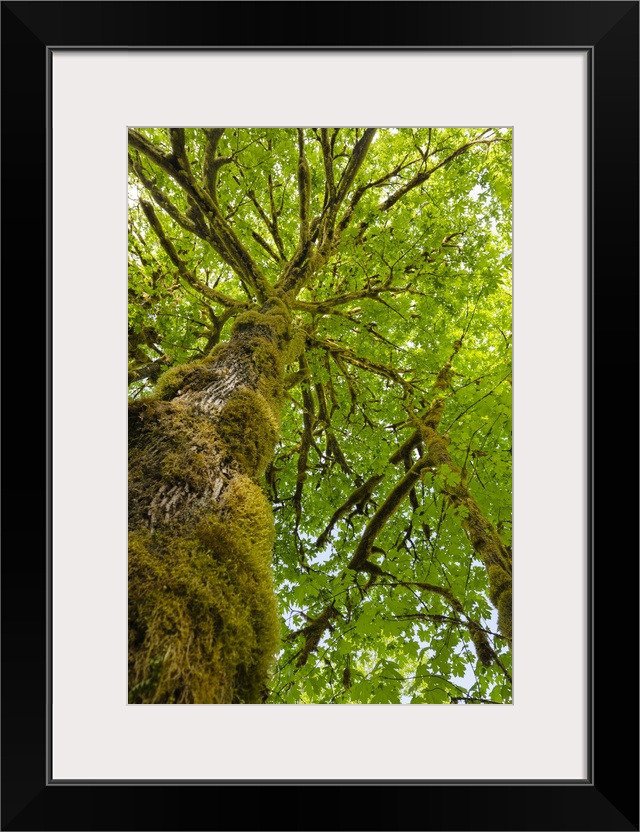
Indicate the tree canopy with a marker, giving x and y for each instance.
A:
(389, 472)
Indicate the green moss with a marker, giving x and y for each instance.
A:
(481, 644)
(187, 465)
(276, 306)
(276, 322)
(505, 614)
(499, 582)
(194, 375)
(249, 430)
(217, 353)
(294, 347)
(204, 625)
(204, 604)
(169, 444)
(269, 334)
(171, 381)
(269, 363)
(267, 358)
(500, 593)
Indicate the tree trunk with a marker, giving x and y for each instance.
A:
(203, 619)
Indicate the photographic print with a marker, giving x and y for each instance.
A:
(320, 390)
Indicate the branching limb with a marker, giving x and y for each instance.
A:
(361, 191)
(359, 497)
(162, 201)
(327, 223)
(314, 631)
(386, 511)
(265, 245)
(177, 139)
(327, 159)
(346, 354)
(333, 450)
(150, 371)
(221, 235)
(271, 224)
(275, 213)
(304, 190)
(353, 393)
(154, 154)
(404, 486)
(484, 651)
(187, 274)
(485, 540)
(422, 177)
(212, 163)
(309, 419)
(353, 165)
(373, 293)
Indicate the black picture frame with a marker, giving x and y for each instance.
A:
(608, 798)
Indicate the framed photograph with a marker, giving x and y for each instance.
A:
(561, 81)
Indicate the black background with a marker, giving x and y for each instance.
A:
(609, 799)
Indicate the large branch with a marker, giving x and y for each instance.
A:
(272, 224)
(309, 257)
(151, 370)
(361, 191)
(304, 190)
(483, 538)
(162, 201)
(177, 139)
(211, 162)
(477, 633)
(183, 270)
(348, 355)
(404, 486)
(482, 535)
(221, 237)
(344, 185)
(357, 497)
(327, 160)
(154, 154)
(317, 627)
(275, 213)
(386, 511)
(420, 178)
(321, 307)
(354, 164)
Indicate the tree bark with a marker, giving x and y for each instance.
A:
(203, 619)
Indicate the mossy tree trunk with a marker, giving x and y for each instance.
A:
(204, 624)
(203, 621)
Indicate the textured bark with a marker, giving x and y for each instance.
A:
(203, 622)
